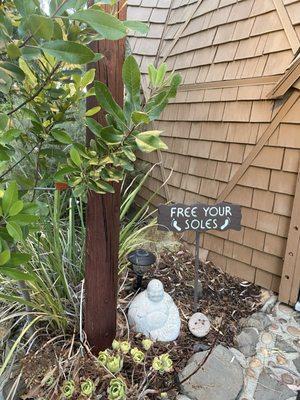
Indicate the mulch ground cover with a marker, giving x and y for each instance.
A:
(225, 301)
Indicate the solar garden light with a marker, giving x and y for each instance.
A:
(141, 261)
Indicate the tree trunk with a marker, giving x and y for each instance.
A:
(103, 216)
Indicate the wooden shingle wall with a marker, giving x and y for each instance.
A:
(231, 54)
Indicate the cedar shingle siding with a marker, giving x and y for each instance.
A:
(233, 131)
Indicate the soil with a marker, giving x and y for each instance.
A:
(225, 301)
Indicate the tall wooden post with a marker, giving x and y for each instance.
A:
(103, 215)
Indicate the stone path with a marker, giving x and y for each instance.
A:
(268, 358)
(273, 373)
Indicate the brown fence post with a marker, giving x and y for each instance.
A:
(103, 215)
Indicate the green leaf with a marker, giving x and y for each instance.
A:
(5, 81)
(161, 73)
(92, 111)
(75, 157)
(107, 102)
(16, 208)
(14, 230)
(16, 274)
(17, 258)
(10, 197)
(150, 141)
(137, 26)
(25, 7)
(152, 72)
(94, 126)
(30, 53)
(61, 136)
(88, 78)
(132, 80)
(10, 135)
(106, 24)
(58, 8)
(110, 135)
(69, 52)
(12, 70)
(60, 174)
(13, 51)
(3, 121)
(106, 187)
(40, 26)
(3, 154)
(139, 117)
(4, 257)
(24, 219)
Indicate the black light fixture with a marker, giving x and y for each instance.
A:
(141, 261)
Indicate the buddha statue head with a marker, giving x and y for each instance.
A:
(155, 291)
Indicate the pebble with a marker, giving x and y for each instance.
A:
(251, 373)
(199, 325)
(274, 327)
(285, 309)
(266, 338)
(281, 360)
(283, 321)
(272, 364)
(293, 331)
(287, 379)
(297, 342)
(255, 363)
(264, 352)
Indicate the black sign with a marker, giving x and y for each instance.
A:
(199, 217)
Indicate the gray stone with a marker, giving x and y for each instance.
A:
(269, 304)
(246, 341)
(258, 320)
(220, 378)
(182, 397)
(270, 389)
(239, 356)
(297, 364)
(200, 347)
(284, 346)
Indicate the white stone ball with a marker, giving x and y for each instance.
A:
(199, 325)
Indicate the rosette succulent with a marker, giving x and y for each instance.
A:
(103, 357)
(167, 363)
(162, 364)
(147, 344)
(114, 364)
(117, 389)
(68, 389)
(87, 387)
(115, 345)
(137, 355)
(125, 347)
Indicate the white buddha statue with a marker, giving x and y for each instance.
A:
(154, 314)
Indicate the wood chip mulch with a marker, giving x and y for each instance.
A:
(226, 300)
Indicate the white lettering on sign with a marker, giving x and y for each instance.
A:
(200, 217)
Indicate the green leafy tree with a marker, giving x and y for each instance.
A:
(43, 77)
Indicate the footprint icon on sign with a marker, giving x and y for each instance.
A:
(175, 225)
(226, 223)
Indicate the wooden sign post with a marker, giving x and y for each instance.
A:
(103, 213)
(199, 218)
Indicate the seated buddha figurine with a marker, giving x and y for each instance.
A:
(154, 314)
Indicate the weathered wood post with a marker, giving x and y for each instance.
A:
(103, 215)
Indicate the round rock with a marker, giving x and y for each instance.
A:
(199, 325)
(266, 338)
(293, 331)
